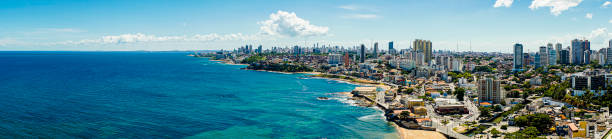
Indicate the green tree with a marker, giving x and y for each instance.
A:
(531, 132)
(497, 108)
(404, 115)
(460, 92)
(495, 132)
(541, 122)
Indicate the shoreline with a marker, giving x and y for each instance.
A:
(413, 134)
(402, 133)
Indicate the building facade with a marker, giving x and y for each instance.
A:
(543, 56)
(518, 56)
(423, 46)
(552, 55)
(564, 57)
(375, 54)
(391, 50)
(489, 90)
(579, 47)
(362, 54)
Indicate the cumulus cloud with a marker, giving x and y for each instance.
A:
(589, 16)
(600, 32)
(503, 3)
(556, 6)
(284, 23)
(599, 37)
(361, 16)
(606, 4)
(144, 38)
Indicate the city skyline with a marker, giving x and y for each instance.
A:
(491, 26)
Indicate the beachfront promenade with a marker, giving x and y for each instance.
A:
(448, 130)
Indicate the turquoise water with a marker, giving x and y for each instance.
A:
(169, 95)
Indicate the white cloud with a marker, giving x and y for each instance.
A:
(599, 38)
(556, 6)
(504, 3)
(606, 4)
(349, 7)
(610, 21)
(284, 23)
(361, 16)
(589, 16)
(597, 33)
(144, 38)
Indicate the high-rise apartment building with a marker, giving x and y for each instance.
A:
(423, 46)
(518, 56)
(334, 59)
(375, 54)
(391, 50)
(552, 55)
(579, 47)
(543, 56)
(362, 54)
(347, 61)
(609, 53)
(526, 59)
(564, 57)
(577, 52)
(558, 48)
(489, 90)
(537, 60)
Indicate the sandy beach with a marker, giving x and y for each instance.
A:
(417, 134)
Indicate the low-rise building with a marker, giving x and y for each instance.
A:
(361, 91)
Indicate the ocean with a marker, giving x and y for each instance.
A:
(170, 95)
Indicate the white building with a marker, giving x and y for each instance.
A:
(334, 59)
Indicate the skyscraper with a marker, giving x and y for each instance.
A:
(259, 49)
(577, 52)
(552, 55)
(391, 50)
(526, 59)
(543, 56)
(489, 90)
(334, 59)
(536, 60)
(423, 46)
(558, 48)
(564, 57)
(587, 57)
(250, 49)
(518, 56)
(296, 50)
(609, 53)
(375, 50)
(346, 59)
(362, 54)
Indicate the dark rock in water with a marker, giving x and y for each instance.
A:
(322, 98)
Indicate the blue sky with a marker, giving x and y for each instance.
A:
(188, 25)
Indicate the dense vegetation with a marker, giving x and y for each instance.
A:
(460, 92)
(456, 75)
(529, 132)
(253, 59)
(541, 122)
